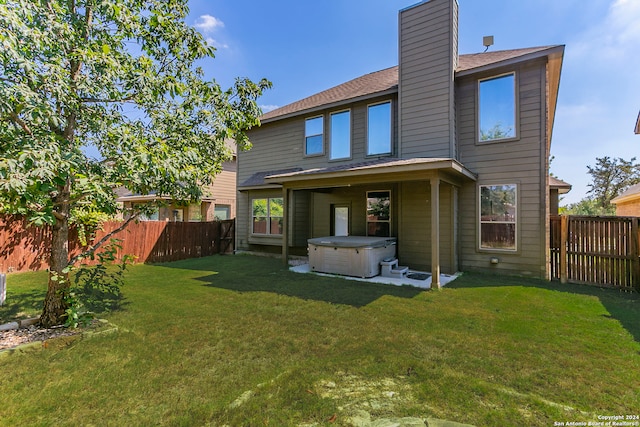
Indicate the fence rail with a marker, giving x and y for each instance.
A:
(26, 248)
(596, 250)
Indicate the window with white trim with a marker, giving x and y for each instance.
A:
(379, 213)
(267, 215)
(497, 108)
(498, 216)
(313, 136)
(340, 140)
(379, 128)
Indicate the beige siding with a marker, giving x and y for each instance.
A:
(223, 189)
(521, 161)
(354, 197)
(428, 54)
(631, 208)
(243, 220)
(414, 238)
(280, 145)
(301, 217)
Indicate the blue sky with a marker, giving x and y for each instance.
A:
(304, 47)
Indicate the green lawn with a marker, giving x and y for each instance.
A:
(239, 340)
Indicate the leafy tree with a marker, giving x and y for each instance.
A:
(587, 206)
(610, 177)
(496, 132)
(119, 76)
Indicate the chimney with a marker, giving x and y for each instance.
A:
(428, 58)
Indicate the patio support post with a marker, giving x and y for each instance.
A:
(285, 224)
(435, 231)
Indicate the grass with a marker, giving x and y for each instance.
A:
(239, 340)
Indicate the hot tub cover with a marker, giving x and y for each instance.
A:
(353, 241)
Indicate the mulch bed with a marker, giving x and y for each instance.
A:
(15, 337)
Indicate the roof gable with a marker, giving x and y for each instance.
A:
(386, 81)
(629, 194)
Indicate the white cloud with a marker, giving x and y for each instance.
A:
(208, 23)
(215, 43)
(598, 101)
(617, 36)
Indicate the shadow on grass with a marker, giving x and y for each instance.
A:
(622, 306)
(311, 287)
(244, 273)
(27, 304)
(22, 305)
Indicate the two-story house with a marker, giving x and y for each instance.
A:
(447, 153)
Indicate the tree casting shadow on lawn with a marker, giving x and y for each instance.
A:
(24, 305)
(310, 287)
(622, 306)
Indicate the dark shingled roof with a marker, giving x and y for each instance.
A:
(257, 179)
(387, 80)
(560, 185)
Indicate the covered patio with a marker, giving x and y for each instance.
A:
(424, 205)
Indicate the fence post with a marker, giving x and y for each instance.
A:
(3, 288)
(564, 237)
(635, 253)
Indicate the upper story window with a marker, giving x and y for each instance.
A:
(340, 143)
(313, 140)
(498, 210)
(379, 129)
(379, 213)
(497, 108)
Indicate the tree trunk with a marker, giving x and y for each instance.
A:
(53, 312)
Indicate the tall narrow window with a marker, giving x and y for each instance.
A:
(313, 131)
(267, 216)
(379, 129)
(379, 213)
(340, 135)
(498, 214)
(497, 108)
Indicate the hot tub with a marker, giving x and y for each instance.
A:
(357, 256)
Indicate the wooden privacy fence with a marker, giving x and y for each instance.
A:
(25, 248)
(596, 250)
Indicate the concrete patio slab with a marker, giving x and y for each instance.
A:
(423, 284)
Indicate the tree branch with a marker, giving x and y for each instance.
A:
(97, 245)
(107, 101)
(21, 123)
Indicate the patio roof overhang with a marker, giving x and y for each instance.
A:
(381, 170)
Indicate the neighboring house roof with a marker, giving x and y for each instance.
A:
(560, 185)
(386, 81)
(638, 124)
(628, 195)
